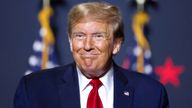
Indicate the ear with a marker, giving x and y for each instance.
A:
(117, 45)
(70, 42)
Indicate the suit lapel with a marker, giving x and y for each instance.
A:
(69, 88)
(123, 94)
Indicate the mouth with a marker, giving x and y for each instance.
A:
(89, 55)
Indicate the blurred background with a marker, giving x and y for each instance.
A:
(165, 54)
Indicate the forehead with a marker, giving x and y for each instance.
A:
(91, 27)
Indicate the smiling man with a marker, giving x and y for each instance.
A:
(95, 32)
(92, 47)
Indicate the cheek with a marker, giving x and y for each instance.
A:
(105, 48)
(75, 46)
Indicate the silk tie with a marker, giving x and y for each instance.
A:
(94, 100)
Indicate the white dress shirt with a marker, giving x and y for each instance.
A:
(105, 91)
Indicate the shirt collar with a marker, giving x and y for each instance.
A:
(107, 80)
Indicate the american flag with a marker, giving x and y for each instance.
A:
(44, 52)
(139, 54)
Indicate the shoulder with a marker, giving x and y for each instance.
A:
(49, 75)
(147, 91)
(139, 80)
(144, 86)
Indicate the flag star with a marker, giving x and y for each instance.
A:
(148, 69)
(169, 73)
(137, 51)
(147, 54)
(33, 60)
(37, 46)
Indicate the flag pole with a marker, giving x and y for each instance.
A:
(48, 38)
(45, 44)
(46, 3)
(140, 19)
(140, 4)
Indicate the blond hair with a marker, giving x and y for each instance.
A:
(97, 11)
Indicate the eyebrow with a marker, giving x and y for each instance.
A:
(78, 33)
(91, 33)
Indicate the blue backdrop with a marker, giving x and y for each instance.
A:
(170, 36)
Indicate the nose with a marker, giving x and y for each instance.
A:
(88, 43)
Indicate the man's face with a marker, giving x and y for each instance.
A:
(92, 45)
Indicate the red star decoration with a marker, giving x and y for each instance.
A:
(169, 73)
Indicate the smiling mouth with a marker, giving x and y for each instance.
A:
(88, 55)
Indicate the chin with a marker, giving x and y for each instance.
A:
(89, 70)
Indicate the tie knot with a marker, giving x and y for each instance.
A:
(96, 83)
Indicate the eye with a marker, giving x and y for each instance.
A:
(99, 36)
(78, 36)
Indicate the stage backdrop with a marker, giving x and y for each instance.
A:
(169, 36)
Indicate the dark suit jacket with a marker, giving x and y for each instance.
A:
(58, 88)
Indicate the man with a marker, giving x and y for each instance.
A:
(93, 81)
